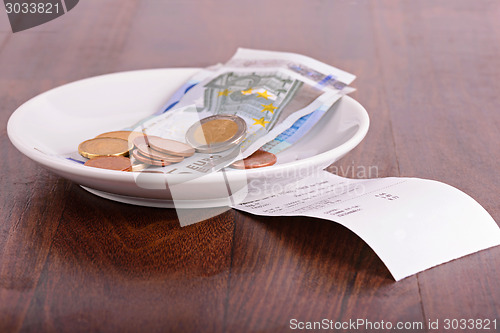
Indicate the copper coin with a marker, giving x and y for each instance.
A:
(259, 159)
(171, 147)
(166, 146)
(125, 135)
(144, 159)
(104, 147)
(143, 139)
(110, 162)
(145, 150)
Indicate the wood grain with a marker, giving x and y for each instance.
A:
(428, 74)
(447, 132)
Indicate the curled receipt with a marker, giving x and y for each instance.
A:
(412, 224)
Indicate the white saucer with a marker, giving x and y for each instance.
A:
(55, 122)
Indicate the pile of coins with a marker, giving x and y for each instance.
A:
(111, 150)
(107, 151)
(134, 151)
(157, 151)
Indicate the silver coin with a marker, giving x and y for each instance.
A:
(217, 133)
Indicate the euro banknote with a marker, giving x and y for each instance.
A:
(280, 96)
(316, 74)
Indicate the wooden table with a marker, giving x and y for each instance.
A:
(429, 76)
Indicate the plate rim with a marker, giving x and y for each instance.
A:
(79, 170)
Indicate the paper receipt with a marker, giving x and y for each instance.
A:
(412, 224)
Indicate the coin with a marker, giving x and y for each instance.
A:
(104, 147)
(144, 159)
(110, 162)
(217, 133)
(125, 135)
(143, 139)
(147, 151)
(259, 159)
(170, 147)
(138, 166)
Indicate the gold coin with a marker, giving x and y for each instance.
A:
(104, 147)
(259, 159)
(119, 163)
(215, 131)
(125, 135)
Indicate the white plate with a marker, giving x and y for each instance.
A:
(55, 122)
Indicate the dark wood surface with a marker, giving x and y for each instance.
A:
(429, 76)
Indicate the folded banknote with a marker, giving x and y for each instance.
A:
(279, 95)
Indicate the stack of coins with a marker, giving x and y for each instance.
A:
(157, 151)
(135, 151)
(110, 150)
